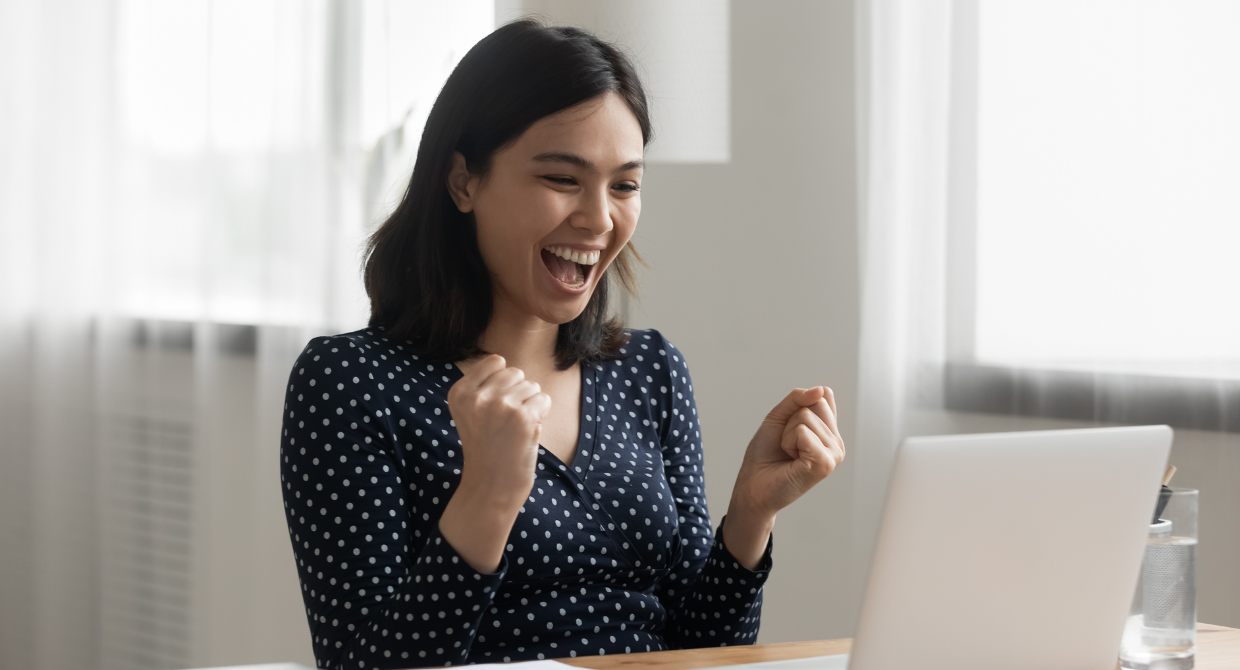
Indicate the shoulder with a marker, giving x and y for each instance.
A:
(650, 355)
(360, 357)
(339, 346)
(324, 354)
(645, 345)
(652, 348)
(659, 375)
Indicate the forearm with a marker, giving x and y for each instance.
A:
(746, 532)
(477, 521)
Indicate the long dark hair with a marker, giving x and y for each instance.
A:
(425, 276)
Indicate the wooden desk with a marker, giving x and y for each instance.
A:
(1218, 648)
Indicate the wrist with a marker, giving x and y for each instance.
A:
(744, 505)
(488, 501)
(476, 522)
(746, 532)
(498, 491)
(750, 522)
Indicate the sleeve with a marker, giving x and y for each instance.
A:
(377, 593)
(710, 598)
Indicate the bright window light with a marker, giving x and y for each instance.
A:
(1108, 229)
(258, 141)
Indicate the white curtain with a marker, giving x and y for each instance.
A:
(949, 149)
(185, 190)
(905, 78)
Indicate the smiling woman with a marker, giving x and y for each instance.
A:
(427, 273)
(565, 190)
(495, 469)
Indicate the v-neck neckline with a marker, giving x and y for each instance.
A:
(584, 446)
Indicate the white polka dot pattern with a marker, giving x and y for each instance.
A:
(612, 553)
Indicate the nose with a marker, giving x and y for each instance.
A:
(593, 212)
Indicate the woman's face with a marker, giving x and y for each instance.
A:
(557, 207)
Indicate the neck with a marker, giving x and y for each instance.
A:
(525, 341)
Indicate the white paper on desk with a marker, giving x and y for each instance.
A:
(834, 662)
(525, 665)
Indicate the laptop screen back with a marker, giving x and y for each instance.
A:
(1012, 550)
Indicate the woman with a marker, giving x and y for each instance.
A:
(495, 469)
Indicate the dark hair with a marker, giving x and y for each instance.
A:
(425, 276)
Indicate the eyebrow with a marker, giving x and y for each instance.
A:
(574, 159)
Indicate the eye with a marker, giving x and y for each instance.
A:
(562, 181)
(627, 187)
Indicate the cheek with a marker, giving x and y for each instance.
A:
(490, 241)
(510, 223)
(626, 223)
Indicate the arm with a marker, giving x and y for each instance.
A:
(498, 414)
(382, 587)
(797, 445)
(710, 597)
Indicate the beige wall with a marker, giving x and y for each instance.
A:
(753, 275)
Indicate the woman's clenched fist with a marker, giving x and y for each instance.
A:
(797, 445)
(498, 415)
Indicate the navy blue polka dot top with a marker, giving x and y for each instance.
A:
(612, 553)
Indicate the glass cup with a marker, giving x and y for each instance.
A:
(1161, 633)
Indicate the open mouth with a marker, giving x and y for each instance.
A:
(570, 268)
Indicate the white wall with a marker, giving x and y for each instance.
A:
(753, 275)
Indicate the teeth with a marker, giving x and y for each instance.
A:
(582, 257)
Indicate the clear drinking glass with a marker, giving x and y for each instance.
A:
(1161, 633)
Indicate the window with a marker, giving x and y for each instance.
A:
(1098, 147)
(258, 143)
(1108, 174)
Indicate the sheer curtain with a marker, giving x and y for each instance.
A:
(905, 80)
(185, 190)
(1047, 238)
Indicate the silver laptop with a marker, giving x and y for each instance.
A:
(1010, 550)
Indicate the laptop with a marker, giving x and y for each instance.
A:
(1010, 550)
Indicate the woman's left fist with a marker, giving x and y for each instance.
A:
(797, 446)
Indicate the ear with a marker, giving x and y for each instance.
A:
(461, 184)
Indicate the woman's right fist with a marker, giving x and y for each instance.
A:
(498, 414)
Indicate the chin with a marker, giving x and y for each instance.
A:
(563, 313)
